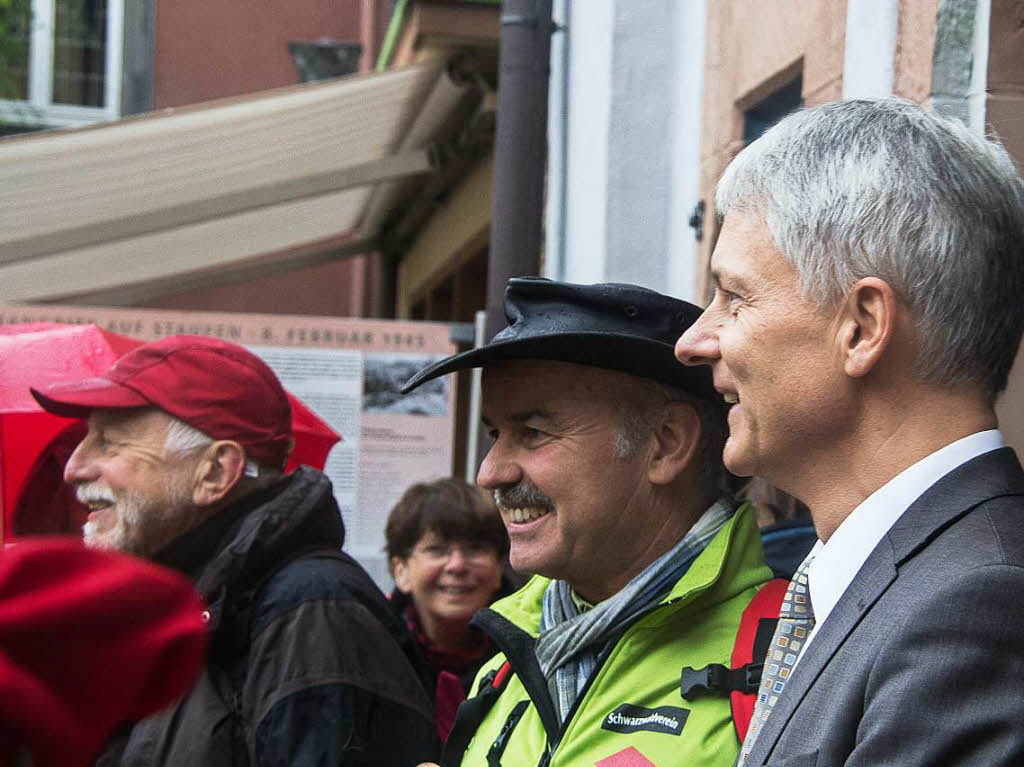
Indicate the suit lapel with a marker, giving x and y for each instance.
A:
(990, 475)
(987, 476)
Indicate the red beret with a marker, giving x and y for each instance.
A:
(89, 641)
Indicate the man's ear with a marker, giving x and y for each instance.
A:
(676, 438)
(867, 322)
(219, 470)
(400, 573)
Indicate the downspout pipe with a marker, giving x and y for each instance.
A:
(520, 149)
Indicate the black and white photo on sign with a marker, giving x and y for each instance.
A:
(383, 376)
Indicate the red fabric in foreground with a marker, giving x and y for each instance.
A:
(89, 641)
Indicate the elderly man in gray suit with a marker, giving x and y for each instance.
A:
(868, 306)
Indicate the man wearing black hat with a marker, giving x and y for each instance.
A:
(606, 469)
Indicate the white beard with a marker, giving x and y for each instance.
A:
(141, 526)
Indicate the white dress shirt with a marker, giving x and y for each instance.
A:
(841, 558)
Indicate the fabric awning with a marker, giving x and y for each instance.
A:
(118, 209)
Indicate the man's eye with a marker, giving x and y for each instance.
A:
(730, 300)
(529, 434)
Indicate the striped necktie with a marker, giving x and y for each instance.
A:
(796, 619)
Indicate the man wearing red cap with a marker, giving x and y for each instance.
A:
(182, 465)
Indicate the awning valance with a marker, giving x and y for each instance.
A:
(120, 209)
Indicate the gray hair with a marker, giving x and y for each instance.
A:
(886, 188)
(640, 418)
(182, 438)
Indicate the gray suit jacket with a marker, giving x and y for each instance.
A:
(922, 660)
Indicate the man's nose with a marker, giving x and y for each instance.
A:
(497, 469)
(699, 344)
(80, 468)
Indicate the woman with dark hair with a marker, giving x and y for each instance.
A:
(446, 546)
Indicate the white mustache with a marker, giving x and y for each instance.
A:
(94, 491)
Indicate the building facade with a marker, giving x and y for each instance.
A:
(651, 99)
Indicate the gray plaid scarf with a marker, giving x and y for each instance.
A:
(570, 640)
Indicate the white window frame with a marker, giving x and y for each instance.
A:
(39, 108)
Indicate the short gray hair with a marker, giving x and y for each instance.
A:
(640, 418)
(182, 438)
(886, 188)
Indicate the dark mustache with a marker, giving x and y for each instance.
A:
(522, 495)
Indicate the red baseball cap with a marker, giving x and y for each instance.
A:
(218, 387)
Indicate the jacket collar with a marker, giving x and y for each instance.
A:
(192, 551)
(731, 551)
(244, 542)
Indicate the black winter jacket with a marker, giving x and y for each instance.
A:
(308, 665)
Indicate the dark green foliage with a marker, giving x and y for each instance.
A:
(15, 22)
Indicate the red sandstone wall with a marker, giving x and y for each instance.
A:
(208, 49)
(332, 290)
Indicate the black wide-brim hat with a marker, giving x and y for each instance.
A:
(617, 327)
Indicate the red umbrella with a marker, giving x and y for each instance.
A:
(35, 444)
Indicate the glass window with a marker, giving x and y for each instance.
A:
(765, 113)
(62, 64)
(79, 52)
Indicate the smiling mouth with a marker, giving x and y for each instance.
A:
(457, 590)
(522, 515)
(94, 499)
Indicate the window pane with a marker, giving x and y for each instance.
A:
(14, 18)
(771, 109)
(79, 52)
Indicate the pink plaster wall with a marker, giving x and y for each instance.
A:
(915, 46)
(753, 48)
(1004, 111)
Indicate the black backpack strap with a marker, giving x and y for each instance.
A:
(763, 637)
(716, 679)
(520, 648)
(471, 713)
(497, 749)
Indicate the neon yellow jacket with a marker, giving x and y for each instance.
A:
(633, 700)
